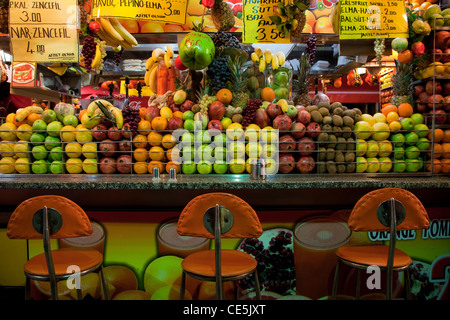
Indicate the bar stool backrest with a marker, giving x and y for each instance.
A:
(65, 219)
(368, 213)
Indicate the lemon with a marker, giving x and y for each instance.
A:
(74, 165)
(8, 131)
(68, 133)
(21, 149)
(73, 150)
(24, 132)
(166, 112)
(7, 149)
(7, 165)
(252, 132)
(83, 135)
(89, 150)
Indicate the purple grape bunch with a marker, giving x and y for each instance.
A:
(275, 268)
(88, 51)
(249, 112)
(118, 56)
(311, 48)
(131, 116)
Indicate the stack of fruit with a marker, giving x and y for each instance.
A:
(441, 151)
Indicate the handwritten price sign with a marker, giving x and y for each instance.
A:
(258, 28)
(372, 19)
(173, 11)
(44, 31)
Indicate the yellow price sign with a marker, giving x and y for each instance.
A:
(173, 11)
(372, 19)
(258, 27)
(44, 31)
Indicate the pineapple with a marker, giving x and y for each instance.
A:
(302, 85)
(402, 84)
(222, 16)
(239, 81)
(4, 16)
(300, 17)
(83, 12)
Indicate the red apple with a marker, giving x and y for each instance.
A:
(305, 164)
(175, 123)
(216, 110)
(313, 129)
(418, 48)
(262, 119)
(298, 130)
(107, 165)
(287, 143)
(174, 107)
(124, 164)
(94, 26)
(306, 146)
(114, 134)
(286, 163)
(178, 64)
(304, 117)
(300, 107)
(100, 132)
(108, 148)
(187, 105)
(215, 124)
(151, 112)
(273, 110)
(282, 122)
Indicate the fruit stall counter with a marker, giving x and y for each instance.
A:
(105, 192)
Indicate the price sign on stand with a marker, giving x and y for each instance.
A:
(372, 19)
(258, 28)
(44, 31)
(173, 11)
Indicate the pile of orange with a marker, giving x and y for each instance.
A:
(441, 151)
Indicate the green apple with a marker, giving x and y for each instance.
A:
(56, 154)
(235, 150)
(412, 165)
(281, 78)
(412, 152)
(70, 120)
(204, 153)
(52, 142)
(220, 154)
(220, 167)
(196, 50)
(407, 124)
(204, 167)
(399, 166)
(189, 124)
(411, 138)
(188, 168)
(237, 167)
(39, 125)
(220, 139)
(39, 166)
(188, 153)
(54, 128)
(398, 139)
(39, 152)
(421, 130)
(423, 144)
(399, 153)
(269, 151)
(37, 138)
(187, 139)
(48, 115)
(188, 115)
(418, 118)
(281, 93)
(202, 136)
(56, 167)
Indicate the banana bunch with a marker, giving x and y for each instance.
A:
(267, 58)
(23, 113)
(100, 54)
(151, 65)
(115, 34)
(105, 109)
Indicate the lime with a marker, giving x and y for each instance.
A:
(39, 152)
(412, 165)
(37, 138)
(39, 166)
(399, 166)
(56, 154)
(398, 139)
(423, 144)
(70, 120)
(40, 125)
(411, 138)
(52, 142)
(56, 167)
(399, 153)
(412, 152)
(421, 130)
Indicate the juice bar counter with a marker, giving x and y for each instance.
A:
(135, 218)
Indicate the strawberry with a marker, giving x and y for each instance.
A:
(208, 3)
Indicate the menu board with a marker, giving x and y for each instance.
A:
(173, 11)
(372, 19)
(44, 31)
(258, 27)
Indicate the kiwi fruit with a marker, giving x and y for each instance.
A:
(337, 131)
(349, 113)
(312, 108)
(338, 111)
(341, 168)
(350, 167)
(316, 116)
(350, 144)
(324, 105)
(350, 156)
(337, 120)
(324, 111)
(331, 140)
(330, 154)
(335, 105)
(327, 120)
(331, 167)
(357, 118)
(339, 157)
(348, 121)
(322, 137)
(346, 132)
(321, 153)
(357, 111)
(341, 143)
(321, 168)
(327, 128)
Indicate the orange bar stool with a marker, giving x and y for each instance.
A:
(55, 217)
(216, 216)
(383, 210)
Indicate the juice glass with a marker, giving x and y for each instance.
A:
(315, 242)
(171, 243)
(96, 240)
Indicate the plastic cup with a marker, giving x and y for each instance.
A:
(94, 241)
(315, 244)
(171, 243)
